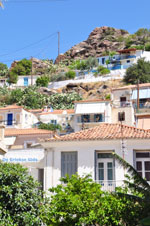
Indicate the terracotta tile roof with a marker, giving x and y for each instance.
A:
(104, 131)
(9, 107)
(30, 131)
(87, 101)
(126, 50)
(58, 112)
(143, 85)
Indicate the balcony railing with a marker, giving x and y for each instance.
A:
(90, 120)
(110, 185)
(122, 104)
(8, 122)
(144, 106)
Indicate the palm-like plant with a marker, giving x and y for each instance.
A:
(139, 190)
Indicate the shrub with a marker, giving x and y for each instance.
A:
(20, 198)
(70, 74)
(57, 77)
(43, 81)
(102, 70)
(50, 126)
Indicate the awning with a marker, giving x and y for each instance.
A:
(90, 108)
(143, 94)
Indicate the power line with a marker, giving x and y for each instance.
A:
(32, 1)
(43, 39)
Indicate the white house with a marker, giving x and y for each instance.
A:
(135, 104)
(90, 152)
(89, 113)
(124, 59)
(26, 80)
(23, 148)
(65, 118)
(13, 116)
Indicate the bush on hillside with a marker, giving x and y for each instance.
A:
(42, 81)
(102, 70)
(70, 75)
(138, 72)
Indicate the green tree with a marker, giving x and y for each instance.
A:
(91, 62)
(82, 202)
(139, 71)
(3, 69)
(138, 192)
(43, 81)
(12, 78)
(20, 198)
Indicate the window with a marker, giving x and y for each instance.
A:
(128, 61)
(99, 118)
(85, 118)
(54, 122)
(68, 163)
(121, 116)
(143, 164)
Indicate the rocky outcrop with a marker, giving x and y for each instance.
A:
(100, 40)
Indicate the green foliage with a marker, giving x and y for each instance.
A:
(138, 47)
(147, 47)
(23, 67)
(3, 69)
(139, 71)
(108, 96)
(20, 198)
(102, 70)
(128, 42)
(81, 202)
(49, 126)
(31, 98)
(137, 192)
(42, 81)
(70, 75)
(12, 78)
(82, 65)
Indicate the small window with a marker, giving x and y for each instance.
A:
(128, 61)
(54, 122)
(85, 118)
(142, 154)
(99, 118)
(121, 116)
(104, 155)
(103, 60)
(28, 145)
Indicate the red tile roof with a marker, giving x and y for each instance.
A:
(9, 107)
(58, 112)
(104, 131)
(126, 50)
(30, 131)
(143, 85)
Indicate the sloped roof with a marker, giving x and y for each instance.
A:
(91, 101)
(10, 107)
(104, 131)
(58, 112)
(143, 85)
(30, 131)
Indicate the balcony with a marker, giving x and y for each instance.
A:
(144, 107)
(110, 185)
(122, 104)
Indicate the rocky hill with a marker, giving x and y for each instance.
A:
(105, 39)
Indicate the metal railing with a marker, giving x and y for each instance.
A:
(110, 185)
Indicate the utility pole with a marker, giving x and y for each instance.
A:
(58, 43)
(32, 72)
(137, 95)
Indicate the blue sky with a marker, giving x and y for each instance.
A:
(24, 23)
